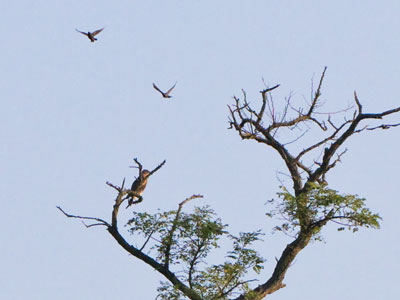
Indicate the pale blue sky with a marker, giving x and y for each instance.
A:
(75, 113)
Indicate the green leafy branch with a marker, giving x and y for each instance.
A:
(186, 239)
(320, 205)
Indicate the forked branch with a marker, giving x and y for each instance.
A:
(262, 125)
(101, 222)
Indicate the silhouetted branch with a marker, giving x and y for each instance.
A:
(330, 151)
(384, 126)
(115, 187)
(158, 167)
(139, 165)
(252, 124)
(101, 221)
(148, 239)
(249, 123)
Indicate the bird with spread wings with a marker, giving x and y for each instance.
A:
(91, 35)
(166, 94)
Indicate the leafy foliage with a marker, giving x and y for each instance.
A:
(186, 239)
(193, 235)
(317, 206)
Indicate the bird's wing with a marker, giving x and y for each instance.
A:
(97, 32)
(81, 32)
(156, 87)
(135, 184)
(169, 91)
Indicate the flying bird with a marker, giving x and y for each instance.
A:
(139, 185)
(91, 35)
(166, 94)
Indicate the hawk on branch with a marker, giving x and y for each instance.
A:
(139, 185)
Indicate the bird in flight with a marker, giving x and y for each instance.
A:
(139, 185)
(166, 94)
(91, 35)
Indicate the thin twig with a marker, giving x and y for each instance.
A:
(101, 221)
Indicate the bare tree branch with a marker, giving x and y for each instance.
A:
(101, 221)
(330, 151)
(115, 187)
(158, 167)
(384, 126)
(147, 240)
(358, 103)
(252, 127)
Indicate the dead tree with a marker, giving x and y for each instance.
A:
(264, 125)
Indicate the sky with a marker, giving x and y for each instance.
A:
(75, 114)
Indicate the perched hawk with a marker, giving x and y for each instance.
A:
(139, 185)
(91, 35)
